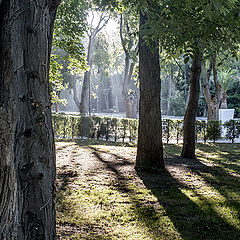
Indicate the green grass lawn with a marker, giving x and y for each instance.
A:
(100, 196)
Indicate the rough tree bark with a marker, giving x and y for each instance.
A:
(213, 101)
(27, 166)
(188, 150)
(150, 147)
(8, 182)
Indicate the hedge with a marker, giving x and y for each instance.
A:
(106, 128)
(232, 129)
(124, 129)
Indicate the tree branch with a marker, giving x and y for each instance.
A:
(215, 78)
(121, 35)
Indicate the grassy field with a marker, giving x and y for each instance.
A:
(100, 196)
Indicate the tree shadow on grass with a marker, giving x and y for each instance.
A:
(144, 211)
(223, 175)
(193, 221)
(196, 221)
(220, 169)
(227, 155)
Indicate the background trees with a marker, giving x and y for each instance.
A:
(68, 55)
(226, 78)
(191, 30)
(207, 31)
(130, 45)
(212, 97)
(84, 106)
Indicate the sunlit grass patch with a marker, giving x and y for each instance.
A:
(197, 199)
(120, 215)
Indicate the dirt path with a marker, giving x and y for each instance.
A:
(98, 165)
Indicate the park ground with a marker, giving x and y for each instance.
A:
(101, 196)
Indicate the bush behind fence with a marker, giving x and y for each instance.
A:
(124, 129)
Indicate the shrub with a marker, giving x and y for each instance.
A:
(168, 127)
(201, 130)
(214, 130)
(232, 129)
(114, 129)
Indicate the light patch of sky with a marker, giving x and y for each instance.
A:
(111, 28)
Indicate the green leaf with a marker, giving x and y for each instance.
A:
(186, 59)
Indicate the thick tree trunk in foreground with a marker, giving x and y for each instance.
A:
(188, 150)
(8, 184)
(150, 147)
(27, 166)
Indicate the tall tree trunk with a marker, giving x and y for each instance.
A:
(188, 150)
(116, 103)
(56, 103)
(27, 166)
(150, 147)
(218, 88)
(8, 182)
(106, 102)
(169, 92)
(85, 96)
(213, 101)
(84, 105)
(129, 99)
(75, 98)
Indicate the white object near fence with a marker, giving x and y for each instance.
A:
(226, 114)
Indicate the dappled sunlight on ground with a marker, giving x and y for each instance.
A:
(101, 196)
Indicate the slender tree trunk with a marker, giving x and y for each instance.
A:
(75, 98)
(213, 101)
(57, 104)
(106, 100)
(86, 91)
(150, 147)
(116, 104)
(27, 166)
(129, 99)
(188, 150)
(169, 92)
(84, 105)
